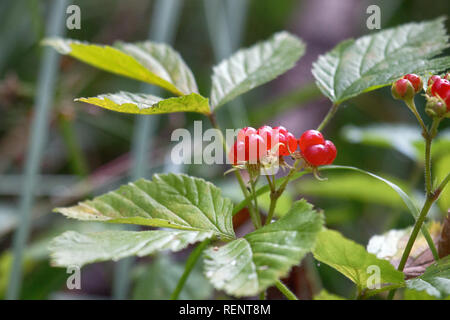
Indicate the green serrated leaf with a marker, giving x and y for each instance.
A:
(254, 66)
(173, 201)
(353, 261)
(76, 249)
(150, 62)
(435, 281)
(378, 59)
(246, 266)
(140, 103)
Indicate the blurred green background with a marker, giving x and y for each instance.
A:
(89, 151)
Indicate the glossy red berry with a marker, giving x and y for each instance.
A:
(255, 148)
(316, 155)
(281, 130)
(331, 150)
(415, 80)
(309, 138)
(441, 89)
(315, 149)
(433, 79)
(237, 153)
(245, 132)
(288, 144)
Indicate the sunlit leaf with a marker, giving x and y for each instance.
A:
(173, 201)
(150, 62)
(376, 60)
(246, 266)
(353, 261)
(76, 249)
(254, 66)
(140, 103)
(435, 281)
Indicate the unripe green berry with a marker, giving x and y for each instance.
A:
(435, 108)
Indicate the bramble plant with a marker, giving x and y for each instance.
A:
(191, 210)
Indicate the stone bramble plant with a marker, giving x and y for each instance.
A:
(184, 210)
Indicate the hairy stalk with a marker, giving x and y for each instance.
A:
(431, 195)
(412, 238)
(275, 194)
(190, 264)
(412, 106)
(428, 139)
(328, 117)
(257, 218)
(285, 290)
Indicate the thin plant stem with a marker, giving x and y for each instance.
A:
(273, 204)
(285, 291)
(190, 264)
(328, 117)
(412, 106)
(275, 194)
(257, 217)
(412, 238)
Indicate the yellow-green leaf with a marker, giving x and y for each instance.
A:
(140, 103)
(353, 261)
(150, 62)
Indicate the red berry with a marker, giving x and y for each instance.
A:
(291, 142)
(282, 151)
(401, 87)
(281, 129)
(245, 132)
(310, 138)
(331, 150)
(440, 88)
(266, 132)
(316, 155)
(237, 153)
(255, 148)
(415, 80)
(263, 129)
(433, 79)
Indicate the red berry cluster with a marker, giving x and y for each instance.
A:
(407, 87)
(315, 149)
(252, 145)
(440, 88)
